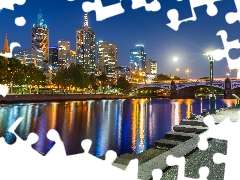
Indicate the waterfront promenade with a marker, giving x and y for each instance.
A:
(183, 141)
(11, 98)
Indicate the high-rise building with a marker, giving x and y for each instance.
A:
(138, 58)
(40, 37)
(5, 46)
(27, 56)
(53, 58)
(107, 57)
(85, 47)
(73, 56)
(151, 67)
(64, 53)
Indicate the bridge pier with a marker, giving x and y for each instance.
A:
(228, 89)
(173, 91)
(181, 93)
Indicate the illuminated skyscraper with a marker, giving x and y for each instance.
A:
(53, 58)
(151, 67)
(107, 57)
(138, 58)
(63, 53)
(40, 37)
(85, 47)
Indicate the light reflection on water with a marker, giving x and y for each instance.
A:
(125, 126)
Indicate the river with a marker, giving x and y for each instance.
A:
(125, 126)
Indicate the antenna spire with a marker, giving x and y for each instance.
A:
(86, 19)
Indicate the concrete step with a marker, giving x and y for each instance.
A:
(192, 122)
(167, 143)
(182, 136)
(189, 129)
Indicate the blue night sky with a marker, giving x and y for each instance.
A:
(133, 27)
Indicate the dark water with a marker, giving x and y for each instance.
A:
(125, 126)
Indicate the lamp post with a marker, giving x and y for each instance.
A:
(212, 98)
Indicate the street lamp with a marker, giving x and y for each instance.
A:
(211, 60)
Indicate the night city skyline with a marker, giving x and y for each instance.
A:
(134, 27)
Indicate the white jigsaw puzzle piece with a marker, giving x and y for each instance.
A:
(58, 150)
(229, 131)
(153, 6)
(3, 90)
(23, 159)
(180, 162)
(232, 17)
(219, 54)
(102, 12)
(157, 174)
(173, 14)
(95, 168)
(9, 4)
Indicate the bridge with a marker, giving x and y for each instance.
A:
(186, 89)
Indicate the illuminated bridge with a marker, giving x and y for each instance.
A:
(187, 89)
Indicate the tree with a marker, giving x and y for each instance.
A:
(3, 69)
(123, 84)
(103, 78)
(161, 76)
(92, 79)
(39, 77)
(15, 74)
(75, 75)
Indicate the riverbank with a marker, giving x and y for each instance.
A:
(183, 141)
(23, 98)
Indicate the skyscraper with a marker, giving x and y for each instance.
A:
(107, 57)
(53, 58)
(29, 56)
(63, 53)
(85, 47)
(40, 37)
(138, 58)
(151, 67)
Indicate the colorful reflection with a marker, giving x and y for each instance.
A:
(125, 126)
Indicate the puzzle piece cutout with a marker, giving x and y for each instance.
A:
(232, 136)
(102, 12)
(10, 138)
(56, 165)
(3, 90)
(153, 6)
(232, 17)
(9, 4)
(12, 46)
(173, 14)
(224, 53)
(172, 161)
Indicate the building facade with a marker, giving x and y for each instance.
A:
(73, 56)
(40, 37)
(64, 53)
(27, 56)
(151, 67)
(53, 58)
(107, 57)
(138, 59)
(85, 47)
